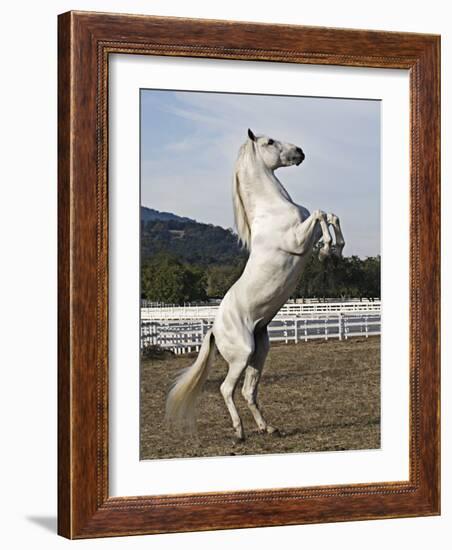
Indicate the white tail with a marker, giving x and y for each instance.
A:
(181, 400)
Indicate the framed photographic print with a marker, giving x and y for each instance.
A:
(248, 275)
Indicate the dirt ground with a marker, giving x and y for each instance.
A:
(322, 396)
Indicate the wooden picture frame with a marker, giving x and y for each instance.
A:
(85, 42)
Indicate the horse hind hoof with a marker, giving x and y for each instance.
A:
(272, 430)
(239, 436)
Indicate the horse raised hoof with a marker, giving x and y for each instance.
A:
(324, 254)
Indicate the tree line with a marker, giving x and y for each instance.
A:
(167, 278)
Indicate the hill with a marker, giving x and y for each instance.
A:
(149, 214)
(188, 240)
(187, 261)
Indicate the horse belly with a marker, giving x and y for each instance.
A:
(268, 290)
(256, 297)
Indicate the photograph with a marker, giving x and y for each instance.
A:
(260, 274)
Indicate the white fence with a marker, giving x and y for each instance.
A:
(289, 309)
(148, 303)
(185, 334)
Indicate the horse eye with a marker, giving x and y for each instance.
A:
(270, 142)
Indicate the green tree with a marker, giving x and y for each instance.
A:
(349, 277)
(166, 279)
(220, 278)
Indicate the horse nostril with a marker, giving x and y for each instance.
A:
(299, 151)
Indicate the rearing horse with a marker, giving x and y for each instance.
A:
(280, 236)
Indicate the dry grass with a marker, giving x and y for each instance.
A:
(323, 396)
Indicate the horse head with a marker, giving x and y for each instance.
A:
(274, 153)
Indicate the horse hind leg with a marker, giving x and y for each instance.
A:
(227, 389)
(252, 377)
(237, 357)
(333, 220)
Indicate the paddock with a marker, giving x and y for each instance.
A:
(323, 395)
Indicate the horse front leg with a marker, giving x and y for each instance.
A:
(333, 220)
(307, 234)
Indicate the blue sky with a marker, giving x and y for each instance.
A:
(190, 140)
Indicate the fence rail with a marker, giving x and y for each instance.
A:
(208, 312)
(185, 335)
(213, 302)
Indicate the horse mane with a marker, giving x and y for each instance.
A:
(242, 223)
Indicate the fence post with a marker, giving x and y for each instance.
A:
(340, 321)
(296, 330)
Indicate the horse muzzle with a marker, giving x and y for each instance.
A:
(300, 160)
(301, 156)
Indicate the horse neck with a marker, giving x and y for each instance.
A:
(262, 190)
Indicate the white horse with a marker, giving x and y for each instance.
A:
(280, 236)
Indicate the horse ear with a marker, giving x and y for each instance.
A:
(251, 135)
